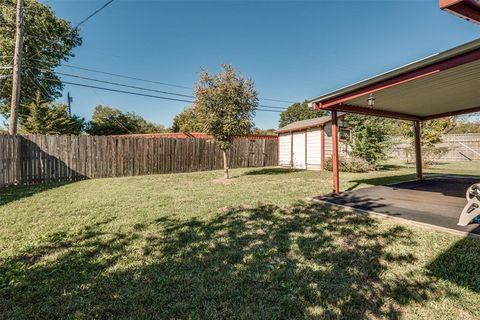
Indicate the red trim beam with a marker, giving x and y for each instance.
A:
(341, 102)
(406, 77)
(466, 9)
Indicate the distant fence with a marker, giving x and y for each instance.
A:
(36, 159)
(461, 147)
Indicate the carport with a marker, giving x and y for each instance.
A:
(441, 85)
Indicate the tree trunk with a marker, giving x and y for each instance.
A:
(225, 164)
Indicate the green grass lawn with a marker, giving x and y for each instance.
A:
(190, 246)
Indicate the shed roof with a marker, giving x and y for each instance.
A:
(306, 124)
(444, 84)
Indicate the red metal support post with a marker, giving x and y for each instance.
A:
(306, 150)
(418, 148)
(291, 149)
(278, 150)
(336, 181)
(322, 148)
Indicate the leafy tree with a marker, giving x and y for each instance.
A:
(111, 121)
(186, 121)
(432, 130)
(225, 105)
(150, 127)
(48, 40)
(45, 117)
(299, 111)
(259, 131)
(467, 127)
(371, 136)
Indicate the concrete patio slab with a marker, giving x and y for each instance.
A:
(436, 201)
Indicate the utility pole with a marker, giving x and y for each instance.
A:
(69, 99)
(17, 69)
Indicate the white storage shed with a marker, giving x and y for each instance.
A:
(306, 144)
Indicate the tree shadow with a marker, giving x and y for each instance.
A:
(381, 181)
(32, 168)
(14, 193)
(261, 262)
(271, 171)
(390, 167)
(459, 264)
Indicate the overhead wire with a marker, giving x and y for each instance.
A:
(135, 93)
(136, 78)
(149, 81)
(139, 88)
(93, 14)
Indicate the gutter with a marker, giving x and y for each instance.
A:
(438, 57)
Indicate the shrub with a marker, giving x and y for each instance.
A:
(370, 137)
(351, 164)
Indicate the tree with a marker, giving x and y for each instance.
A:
(186, 121)
(432, 132)
(467, 127)
(299, 111)
(48, 40)
(110, 121)
(264, 132)
(45, 117)
(371, 136)
(225, 105)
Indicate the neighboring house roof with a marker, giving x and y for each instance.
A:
(190, 135)
(306, 124)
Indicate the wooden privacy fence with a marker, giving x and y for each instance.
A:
(36, 159)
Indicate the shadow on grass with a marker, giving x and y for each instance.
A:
(13, 193)
(271, 171)
(381, 181)
(459, 264)
(390, 167)
(261, 262)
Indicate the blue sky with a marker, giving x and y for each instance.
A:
(293, 50)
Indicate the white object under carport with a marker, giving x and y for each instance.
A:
(306, 144)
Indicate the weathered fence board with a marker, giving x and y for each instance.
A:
(460, 147)
(33, 159)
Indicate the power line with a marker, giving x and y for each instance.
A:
(272, 107)
(136, 93)
(141, 88)
(276, 100)
(122, 91)
(124, 76)
(94, 13)
(150, 81)
(119, 84)
(38, 85)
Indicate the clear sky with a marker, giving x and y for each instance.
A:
(293, 50)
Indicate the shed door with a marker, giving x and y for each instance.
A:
(313, 148)
(299, 150)
(284, 141)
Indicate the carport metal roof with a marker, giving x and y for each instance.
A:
(466, 9)
(444, 84)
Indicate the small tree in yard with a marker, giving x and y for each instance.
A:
(371, 137)
(225, 105)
